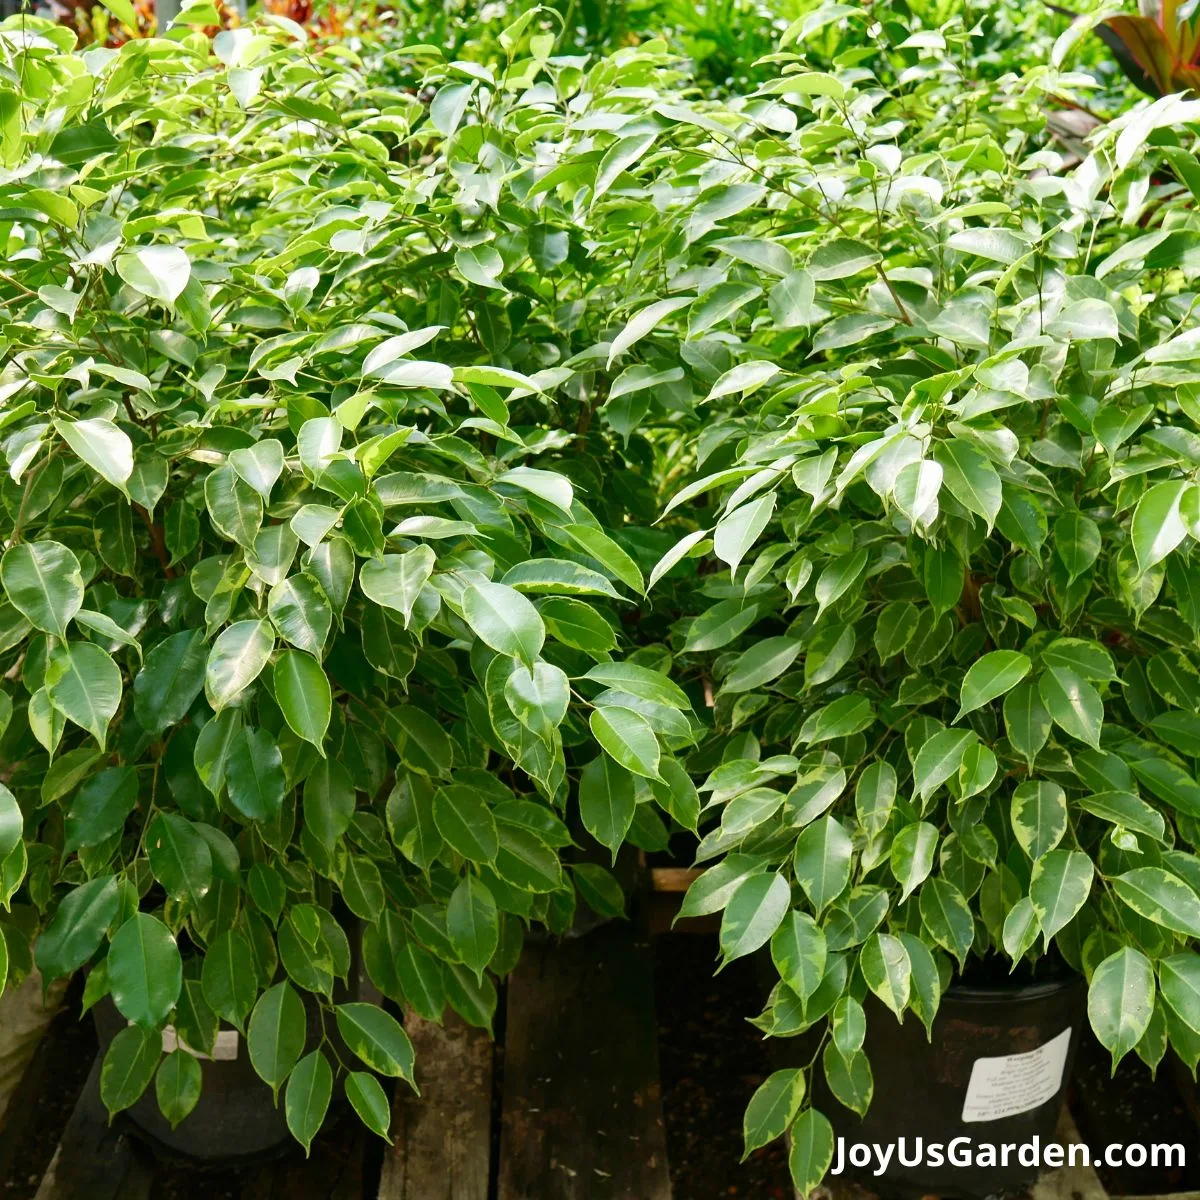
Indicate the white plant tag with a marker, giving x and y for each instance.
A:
(1016, 1083)
(224, 1050)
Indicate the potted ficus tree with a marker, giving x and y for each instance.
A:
(934, 556)
(307, 636)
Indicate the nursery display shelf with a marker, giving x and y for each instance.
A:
(575, 1065)
(565, 1104)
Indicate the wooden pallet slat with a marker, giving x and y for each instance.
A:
(441, 1141)
(581, 1117)
(95, 1160)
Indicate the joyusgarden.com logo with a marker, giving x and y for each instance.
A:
(878, 1157)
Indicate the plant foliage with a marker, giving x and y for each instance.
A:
(424, 472)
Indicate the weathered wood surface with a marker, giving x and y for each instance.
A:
(441, 1141)
(581, 1117)
(95, 1161)
(333, 1171)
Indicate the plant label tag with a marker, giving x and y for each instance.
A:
(1016, 1083)
(225, 1049)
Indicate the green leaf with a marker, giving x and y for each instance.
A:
(839, 577)
(843, 717)
(1059, 888)
(370, 1101)
(306, 1101)
(158, 272)
(753, 914)
(1039, 816)
(628, 738)
(1121, 1001)
(577, 625)
(504, 620)
(849, 1077)
(772, 1108)
(1179, 980)
(44, 582)
(77, 927)
(180, 859)
(925, 992)
(104, 447)
(377, 1038)
(643, 322)
(259, 465)
(1026, 721)
(971, 478)
(798, 951)
(538, 698)
(739, 530)
(1020, 929)
(277, 1033)
(811, 1152)
(171, 678)
(300, 610)
(12, 822)
(145, 972)
(912, 856)
(887, 971)
(1126, 810)
(423, 744)
(939, 758)
(1160, 897)
(1073, 704)
(236, 661)
(177, 1086)
(304, 695)
(991, 676)
(84, 684)
(607, 801)
(947, 917)
(254, 774)
(998, 245)
(608, 553)
(822, 861)
(228, 979)
(129, 1065)
(473, 923)
(540, 576)
(466, 822)
(1158, 522)
(764, 661)
(396, 580)
(329, 801)
(98, 811)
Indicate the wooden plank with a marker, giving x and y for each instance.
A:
(441, 1141)
(673, 879)
(333, 1171)
(95, 1161)
(582, 1110)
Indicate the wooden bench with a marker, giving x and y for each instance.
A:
(564, 1105)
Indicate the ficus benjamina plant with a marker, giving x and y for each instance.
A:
(312, 595)
(425, 477)
(934, 562)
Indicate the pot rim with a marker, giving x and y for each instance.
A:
(1006, 994)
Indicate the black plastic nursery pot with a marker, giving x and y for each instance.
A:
(994, 1074)
(235, 1120)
